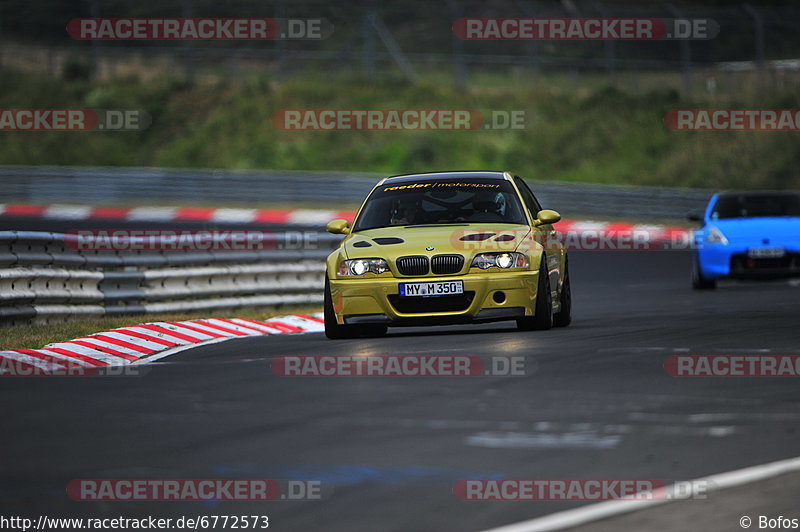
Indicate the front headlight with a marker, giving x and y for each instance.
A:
(715, 236)
(362, 266)
(500, 260)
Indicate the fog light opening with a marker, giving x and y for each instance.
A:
(499, 297)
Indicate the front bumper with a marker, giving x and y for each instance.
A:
(732, 262)
(376, 299)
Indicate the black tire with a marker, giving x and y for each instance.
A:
(698, 281)
(563, 317)
(334, 331)
(542, 319)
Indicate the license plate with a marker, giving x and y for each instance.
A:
(766, 253)
(434, 288)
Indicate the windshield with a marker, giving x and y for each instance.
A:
(756, 205)
(441, 202)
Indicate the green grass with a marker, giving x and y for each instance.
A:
(34, 336)
(588, 134)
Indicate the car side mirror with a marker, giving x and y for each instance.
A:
(694, 216)
(547, 217)
(338, 227)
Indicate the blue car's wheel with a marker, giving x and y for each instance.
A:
(698, 281)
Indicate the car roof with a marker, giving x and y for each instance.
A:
(405, 178)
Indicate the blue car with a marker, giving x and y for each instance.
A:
(747, 235)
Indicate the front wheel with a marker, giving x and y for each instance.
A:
(334, 331)
(698, 281)
(542, 318)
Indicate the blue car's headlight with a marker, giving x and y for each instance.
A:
(715, 236)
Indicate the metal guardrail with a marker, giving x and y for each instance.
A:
(103, 186)
(42, 276)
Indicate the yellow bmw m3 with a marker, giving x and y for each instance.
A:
(447, 248)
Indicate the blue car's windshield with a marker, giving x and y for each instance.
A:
(441, 202)
(756, 205)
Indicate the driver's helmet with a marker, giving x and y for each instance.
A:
(404, 211)
(486, 201)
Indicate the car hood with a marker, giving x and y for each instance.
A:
(393, 242)
(775, 231)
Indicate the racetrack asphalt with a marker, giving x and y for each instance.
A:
(596, 403)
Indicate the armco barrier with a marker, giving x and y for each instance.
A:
(107, 185)
(42, 277)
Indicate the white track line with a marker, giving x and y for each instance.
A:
(263, 328)
(100, 345)
(120, 334)
(249, 331)
(40, 363)
(210, 330)
(147, 214)
(234, 215)
(303, 323)
(67, 212)
(108, 358)
(201, 337)
(311, 217)
(178, 349)
(175, 350)
(160, 335)
(606, 509)
(235, 324)
(67, 358)
(204, 332)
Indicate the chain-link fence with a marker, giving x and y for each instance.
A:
(414, 42)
